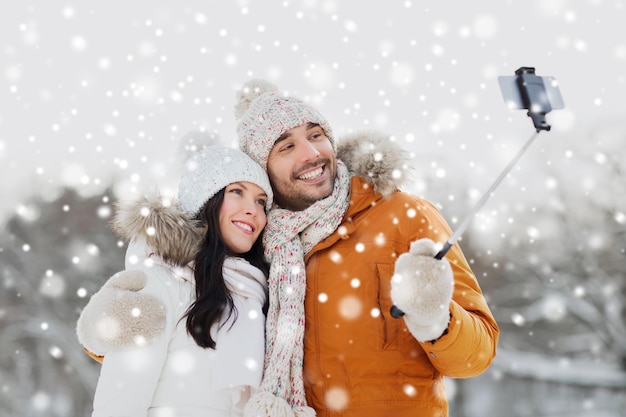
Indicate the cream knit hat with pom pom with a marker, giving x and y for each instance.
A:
(208, 167)
(263, 114)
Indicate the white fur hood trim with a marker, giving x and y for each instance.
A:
(377, 157)
(162, 225)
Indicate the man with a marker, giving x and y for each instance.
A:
(345, 245)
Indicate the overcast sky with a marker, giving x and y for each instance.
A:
(95, 92)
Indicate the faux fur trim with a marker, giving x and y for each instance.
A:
(162, 225)
(375, 156)
(118, 316)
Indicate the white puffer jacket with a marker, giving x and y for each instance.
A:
(151, 366)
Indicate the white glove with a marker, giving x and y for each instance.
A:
(119, 316)
(422, 287)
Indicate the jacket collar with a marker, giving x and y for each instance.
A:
(362, 196)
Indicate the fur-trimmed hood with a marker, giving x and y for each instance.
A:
(377, 157)
(162, 225)
(175, 237)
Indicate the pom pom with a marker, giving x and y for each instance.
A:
(251, 90)
(195, 141)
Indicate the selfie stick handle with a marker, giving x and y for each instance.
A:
(395, 311)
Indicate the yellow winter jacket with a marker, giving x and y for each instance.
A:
(359, 361)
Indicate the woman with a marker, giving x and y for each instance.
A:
(181, 330)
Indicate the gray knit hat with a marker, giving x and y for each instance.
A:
(208, 167)
(263, 114)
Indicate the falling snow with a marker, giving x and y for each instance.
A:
(95, 97)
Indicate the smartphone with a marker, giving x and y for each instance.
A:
(526, 90)
(541, 89)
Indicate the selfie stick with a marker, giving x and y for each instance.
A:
(483, 200)
(534, 97)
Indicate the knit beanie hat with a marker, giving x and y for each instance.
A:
(208, 167)
(263, 114)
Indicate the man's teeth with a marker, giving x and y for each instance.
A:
(244, 226)
(312, 174)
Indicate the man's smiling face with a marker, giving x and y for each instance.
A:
(302, 167)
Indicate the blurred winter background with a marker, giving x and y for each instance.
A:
(95, 95)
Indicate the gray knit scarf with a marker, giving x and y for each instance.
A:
(288, 236)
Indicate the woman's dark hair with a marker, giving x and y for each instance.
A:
(213, 299)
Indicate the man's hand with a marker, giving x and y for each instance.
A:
(422, 287)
